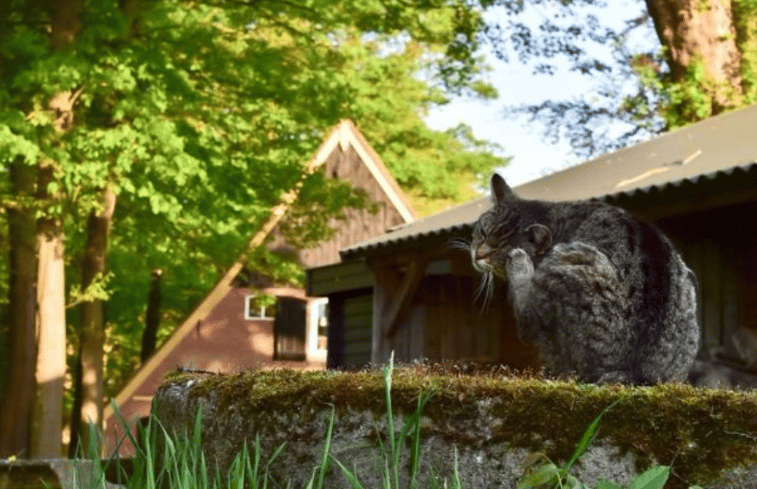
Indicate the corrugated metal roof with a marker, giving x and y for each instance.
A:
(705, 150)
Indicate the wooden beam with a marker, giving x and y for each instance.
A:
(405, 293)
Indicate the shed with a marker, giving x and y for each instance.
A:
(410, 292)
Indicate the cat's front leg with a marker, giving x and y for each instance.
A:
(520, 270)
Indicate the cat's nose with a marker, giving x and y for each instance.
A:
(484, 251)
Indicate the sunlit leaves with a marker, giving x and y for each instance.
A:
(199, 115)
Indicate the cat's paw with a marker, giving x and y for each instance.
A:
(519, 264)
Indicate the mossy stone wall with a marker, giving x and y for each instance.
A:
(485, 424)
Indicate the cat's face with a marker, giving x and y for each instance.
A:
(494, 235)
(503, 227)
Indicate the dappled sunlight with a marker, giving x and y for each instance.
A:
(262, 343)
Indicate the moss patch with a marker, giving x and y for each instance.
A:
(701, 432)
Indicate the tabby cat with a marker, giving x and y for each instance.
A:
(603, 295)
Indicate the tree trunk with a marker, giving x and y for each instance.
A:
(51, 343)
(17, 399)
(51, 314)
(152, 316)
(700, 38)
(92, 335)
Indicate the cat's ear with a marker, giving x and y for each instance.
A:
(502, 193)
(540, 236)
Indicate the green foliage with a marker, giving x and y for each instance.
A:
(745, 22)
(96, 290)
(165, 459)
(199, 115)
(642, 78)
(389, 103)
(697, 95)
(690, 100)
(411, 429)
(550, 475)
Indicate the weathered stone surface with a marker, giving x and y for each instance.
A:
(485, 427)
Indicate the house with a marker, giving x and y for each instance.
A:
(410, 292)
(237, 325)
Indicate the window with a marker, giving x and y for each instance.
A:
(255, 307)
(322, 321)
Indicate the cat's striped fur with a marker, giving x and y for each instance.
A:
(602, 294)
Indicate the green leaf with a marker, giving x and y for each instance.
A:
(572, 482)
(652, 478)
(547, 474)
(534, 458)
(603, 484)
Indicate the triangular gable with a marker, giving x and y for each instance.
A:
(344, 134)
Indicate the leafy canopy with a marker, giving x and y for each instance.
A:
(199, 114)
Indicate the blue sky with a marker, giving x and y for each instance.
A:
(532, 156)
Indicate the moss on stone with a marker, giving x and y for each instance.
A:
(701, 432)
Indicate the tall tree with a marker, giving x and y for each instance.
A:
(702, 63)
(92, 332)
(17, 401)
(703, 44)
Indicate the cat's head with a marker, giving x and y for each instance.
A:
(511, 223)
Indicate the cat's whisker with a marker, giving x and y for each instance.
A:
(484, 291)
(481, 286)
(489, 289)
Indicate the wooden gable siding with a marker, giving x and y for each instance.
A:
(339, 278)
(359, 224)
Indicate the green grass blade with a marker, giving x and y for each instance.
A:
(125, 425)
(311, 481)
(348, 474)
(276, 453)
(253, 468)
(587, 438)
(413, 422)
(393, 452)
(195, 445)
(326, 451)
(456, 475)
